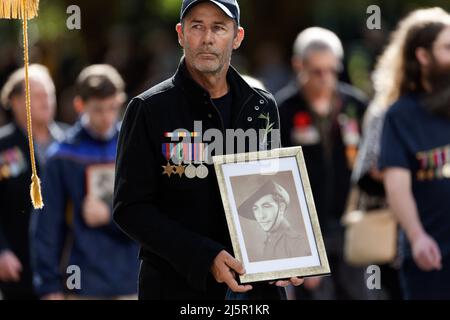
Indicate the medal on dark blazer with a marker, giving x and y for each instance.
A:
(202, 171)
(187, 153)
(179, 169)
(167, 151)
(190, 171)
(168, 169)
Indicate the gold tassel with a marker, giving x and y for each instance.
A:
(26, 9)
(35, 192)
(19, 9)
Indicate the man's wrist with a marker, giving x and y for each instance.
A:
(415, 233)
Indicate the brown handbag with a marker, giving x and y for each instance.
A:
(370, 235)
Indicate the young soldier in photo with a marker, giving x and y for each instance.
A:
(269, 206)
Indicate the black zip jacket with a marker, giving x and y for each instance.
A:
(179, 222)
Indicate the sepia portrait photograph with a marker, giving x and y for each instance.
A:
(266, 208)
(100, 182)
(271, 214)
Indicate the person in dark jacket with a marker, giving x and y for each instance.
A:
(324, 116)
(100, 259)
(178, 219)
(15, 173)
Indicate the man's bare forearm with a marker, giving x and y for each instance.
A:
(397, 182)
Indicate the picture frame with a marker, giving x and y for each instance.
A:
(100, 182)
(271, 215)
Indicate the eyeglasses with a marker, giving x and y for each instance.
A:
(320, 72)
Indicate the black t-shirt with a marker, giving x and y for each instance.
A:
(419, 141)
(224, 105)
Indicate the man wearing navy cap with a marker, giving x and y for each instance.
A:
(178, 218)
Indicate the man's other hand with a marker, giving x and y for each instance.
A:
(224, 269)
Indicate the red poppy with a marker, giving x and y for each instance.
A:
(302, 119)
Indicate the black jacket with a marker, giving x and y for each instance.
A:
(329, 146)
(179, 222)
(15, 203)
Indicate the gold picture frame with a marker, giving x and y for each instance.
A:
(271, 214)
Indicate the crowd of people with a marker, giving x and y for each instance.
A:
(394, 147)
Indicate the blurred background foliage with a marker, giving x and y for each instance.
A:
(138, 37)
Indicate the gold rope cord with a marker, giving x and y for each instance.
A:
(35, 190)
(26, 9)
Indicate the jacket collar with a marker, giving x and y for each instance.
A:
(241, 91)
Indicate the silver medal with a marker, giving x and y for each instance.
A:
(190, 171)
(202, 171)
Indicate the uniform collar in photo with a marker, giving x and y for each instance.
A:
(276, 233)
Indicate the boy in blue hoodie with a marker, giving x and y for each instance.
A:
(99, 261)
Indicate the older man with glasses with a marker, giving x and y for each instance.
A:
(324, 116)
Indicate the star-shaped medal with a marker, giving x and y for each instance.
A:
(179, 170)
(168, 169)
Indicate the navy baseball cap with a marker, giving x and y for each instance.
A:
(230, 7)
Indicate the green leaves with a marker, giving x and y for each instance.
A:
(267, 129)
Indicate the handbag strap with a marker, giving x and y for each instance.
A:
(352, 203)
